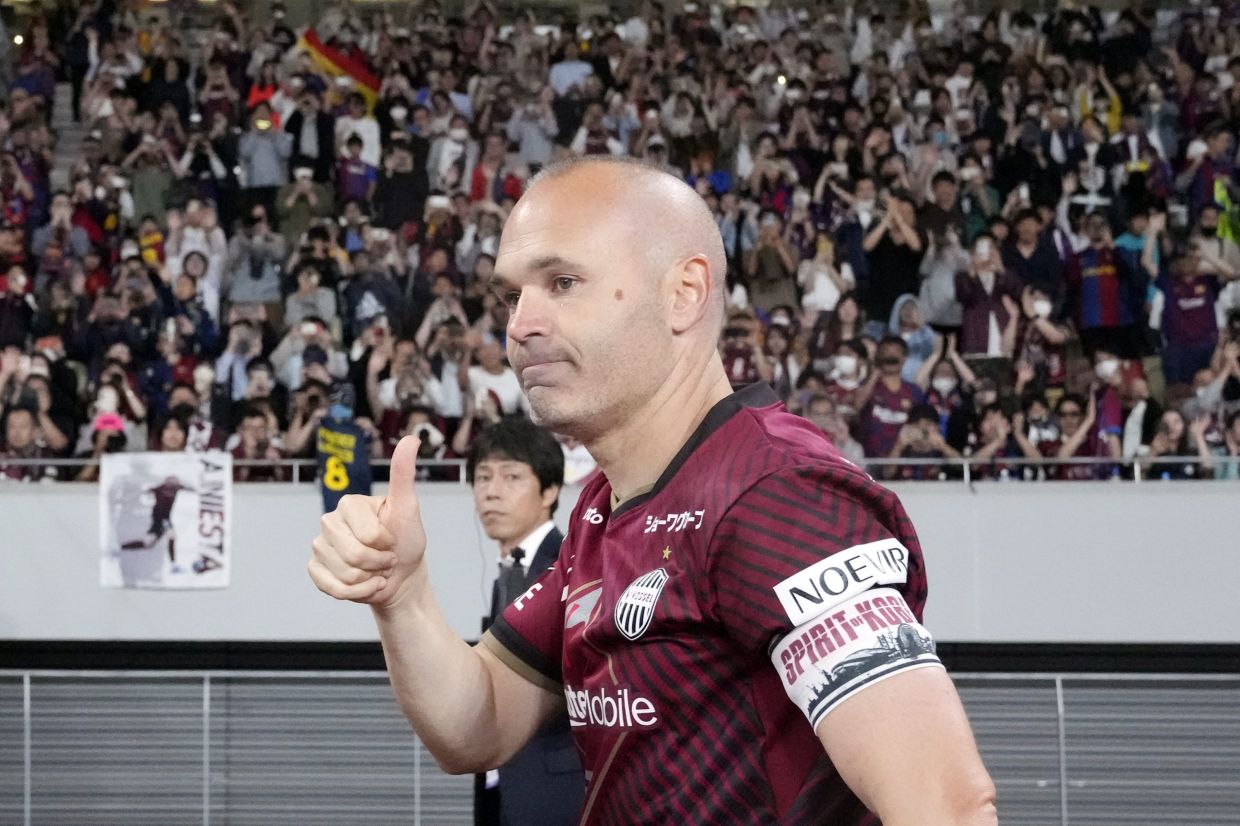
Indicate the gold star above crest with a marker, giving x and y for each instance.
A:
(667, 552)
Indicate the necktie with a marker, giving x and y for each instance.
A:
(511, 578)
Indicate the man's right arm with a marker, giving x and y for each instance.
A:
(454, 694)
(372, 550)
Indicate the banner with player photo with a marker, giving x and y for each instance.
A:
(165, 520)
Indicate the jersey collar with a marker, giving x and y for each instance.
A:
(758, 394)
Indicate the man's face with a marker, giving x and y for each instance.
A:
(19, 430)
(260, 382)
(890, 359)
(254, 431)
(945, 193)
(1220, 144)
(1097, 230)
(1209, 222)
(1070, 416)
(490, 356)
(589, 333)
(182, 395)
(1027, 230)
(508, 500)
(118, 352)
(822, 413)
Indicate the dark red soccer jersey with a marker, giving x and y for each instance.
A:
(659, 620)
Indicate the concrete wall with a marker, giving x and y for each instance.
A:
(1087, 562)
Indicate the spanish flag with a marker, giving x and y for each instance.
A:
(338, 64)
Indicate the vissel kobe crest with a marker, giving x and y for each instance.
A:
(635, 607)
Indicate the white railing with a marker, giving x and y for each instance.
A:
(1133, 469)
(1052, 779)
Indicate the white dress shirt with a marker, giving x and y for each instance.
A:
(530, 545)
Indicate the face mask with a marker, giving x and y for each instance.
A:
(846, 365)
(940, 138)
(1042, 308)
(459, 135)
(399, 112)
(848, 384)
(793, 95)
(944, 386)
(1107, 369)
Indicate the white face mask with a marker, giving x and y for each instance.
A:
(1107, 369)
(399, 112)
(944, 386)
(1042, 308)
(459, 135)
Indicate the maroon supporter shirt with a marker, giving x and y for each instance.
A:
(885, 414)
(659, 619)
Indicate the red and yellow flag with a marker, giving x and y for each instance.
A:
(338, 64)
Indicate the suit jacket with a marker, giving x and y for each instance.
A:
(325, 163)
(543, 783)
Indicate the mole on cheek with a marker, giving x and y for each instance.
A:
(619, 295)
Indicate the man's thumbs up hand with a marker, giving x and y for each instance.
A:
(369, 546)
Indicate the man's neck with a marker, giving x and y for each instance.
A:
(507, 546)
(634, 454)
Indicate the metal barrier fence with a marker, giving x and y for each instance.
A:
(967, 469)
(173, 747)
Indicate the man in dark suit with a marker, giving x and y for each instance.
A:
(516, 469)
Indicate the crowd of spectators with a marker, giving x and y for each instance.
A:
(1004, 237)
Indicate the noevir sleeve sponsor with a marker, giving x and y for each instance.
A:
(803, 541)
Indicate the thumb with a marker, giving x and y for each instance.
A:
(402, 501)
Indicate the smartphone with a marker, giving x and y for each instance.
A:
(984, 248)
(1024, 192)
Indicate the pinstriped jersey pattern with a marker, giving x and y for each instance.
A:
(688, 722)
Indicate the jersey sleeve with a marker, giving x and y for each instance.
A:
(528, 636)
(820, 571)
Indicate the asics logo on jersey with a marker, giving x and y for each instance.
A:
(618, 709)
(592, 516)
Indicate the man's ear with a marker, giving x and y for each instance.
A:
(692, 287)
(550, 495)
